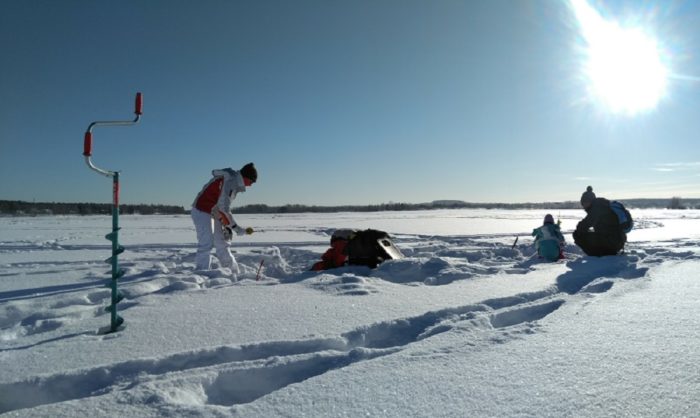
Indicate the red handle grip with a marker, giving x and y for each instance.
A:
(87, 145)
(139, 104)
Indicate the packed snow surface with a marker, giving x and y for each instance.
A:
(468, 324)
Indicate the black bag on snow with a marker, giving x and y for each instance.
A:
(371, 247)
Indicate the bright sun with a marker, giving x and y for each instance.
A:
(624, 69)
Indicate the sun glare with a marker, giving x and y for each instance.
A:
(624, 68)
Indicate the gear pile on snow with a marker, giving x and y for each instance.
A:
(368, 247)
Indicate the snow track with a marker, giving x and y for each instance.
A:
(214, 375)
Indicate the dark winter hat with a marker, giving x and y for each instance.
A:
(588, 196)
(248, 171)
(548, 219)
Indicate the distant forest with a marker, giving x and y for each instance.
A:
(673, 203)
(17, 207)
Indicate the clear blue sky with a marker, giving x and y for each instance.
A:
(337, 102)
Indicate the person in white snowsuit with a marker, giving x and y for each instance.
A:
(548, 240)
(211, 214)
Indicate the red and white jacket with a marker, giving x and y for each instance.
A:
(216, 196)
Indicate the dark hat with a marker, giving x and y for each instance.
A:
(588, 196)
(548, 219)
(248, 171)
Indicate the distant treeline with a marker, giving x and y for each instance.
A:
(16, 207)
(673, 203)
(395, 207)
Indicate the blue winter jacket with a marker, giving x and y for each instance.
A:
(548, 241)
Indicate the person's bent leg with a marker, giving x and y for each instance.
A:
(598, 244)
(223, 252)
(616, 244)
(205, 238)
(581, 239)
(590, 243)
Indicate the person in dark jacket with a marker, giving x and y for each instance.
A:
(599, 233)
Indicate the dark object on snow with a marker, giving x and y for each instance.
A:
(371, 247)
(607, 236)
(352, 247)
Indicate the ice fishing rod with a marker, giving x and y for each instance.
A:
(257, 276)
(115, 320)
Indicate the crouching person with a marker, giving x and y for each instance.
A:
(602, 231)
(337, 255)
(369, 247)
(548, 240)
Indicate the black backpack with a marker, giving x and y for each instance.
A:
(371, 247)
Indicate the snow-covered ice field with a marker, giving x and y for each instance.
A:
(465, 326)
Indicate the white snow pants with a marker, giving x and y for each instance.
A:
(209, 234)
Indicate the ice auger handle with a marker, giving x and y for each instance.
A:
(87, 144)
(139, 104)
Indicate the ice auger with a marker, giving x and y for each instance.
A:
(117, 272)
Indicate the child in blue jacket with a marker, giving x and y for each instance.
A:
(548, 240)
